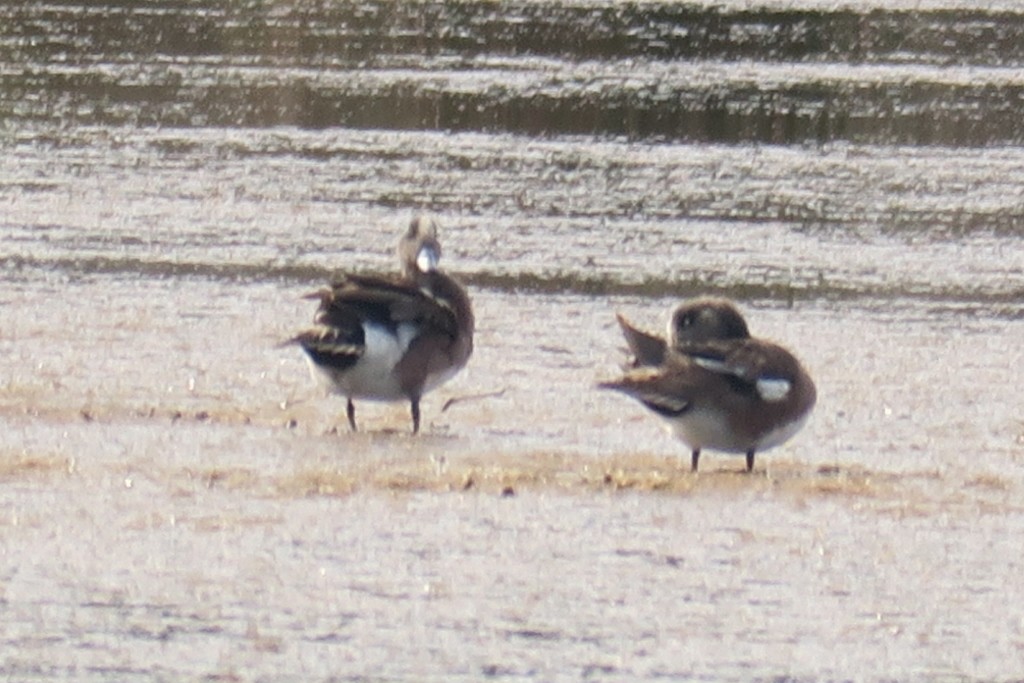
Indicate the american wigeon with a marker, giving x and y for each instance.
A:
(715, 385)
(392, 339)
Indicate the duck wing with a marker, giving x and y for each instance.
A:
(751, 365)
(647, 349)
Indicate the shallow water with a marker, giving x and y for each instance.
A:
(177, 500)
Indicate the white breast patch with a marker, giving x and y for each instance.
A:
(372, 376)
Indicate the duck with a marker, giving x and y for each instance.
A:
(716, 386)
(392, 338)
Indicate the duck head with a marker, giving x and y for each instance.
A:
(703, 319)
(419, 249)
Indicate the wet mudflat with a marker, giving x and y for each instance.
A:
(178, 500)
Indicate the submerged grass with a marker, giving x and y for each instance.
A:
(1003, 302)
(295, 466)
(23, 465)
(643, 473)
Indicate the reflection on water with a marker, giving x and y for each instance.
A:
(669, 72)
(552, 215)
(174, 176)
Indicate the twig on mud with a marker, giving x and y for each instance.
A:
(471, 397)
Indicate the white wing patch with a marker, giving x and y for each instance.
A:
(773, 390)
(675, 404)
(335, 348)
(326, 341)
(713, 364)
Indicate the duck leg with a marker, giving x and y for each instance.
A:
(750, 461)
(350, 410)
(694, 459)
(414, 408)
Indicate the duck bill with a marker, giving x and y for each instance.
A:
(427, 258)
